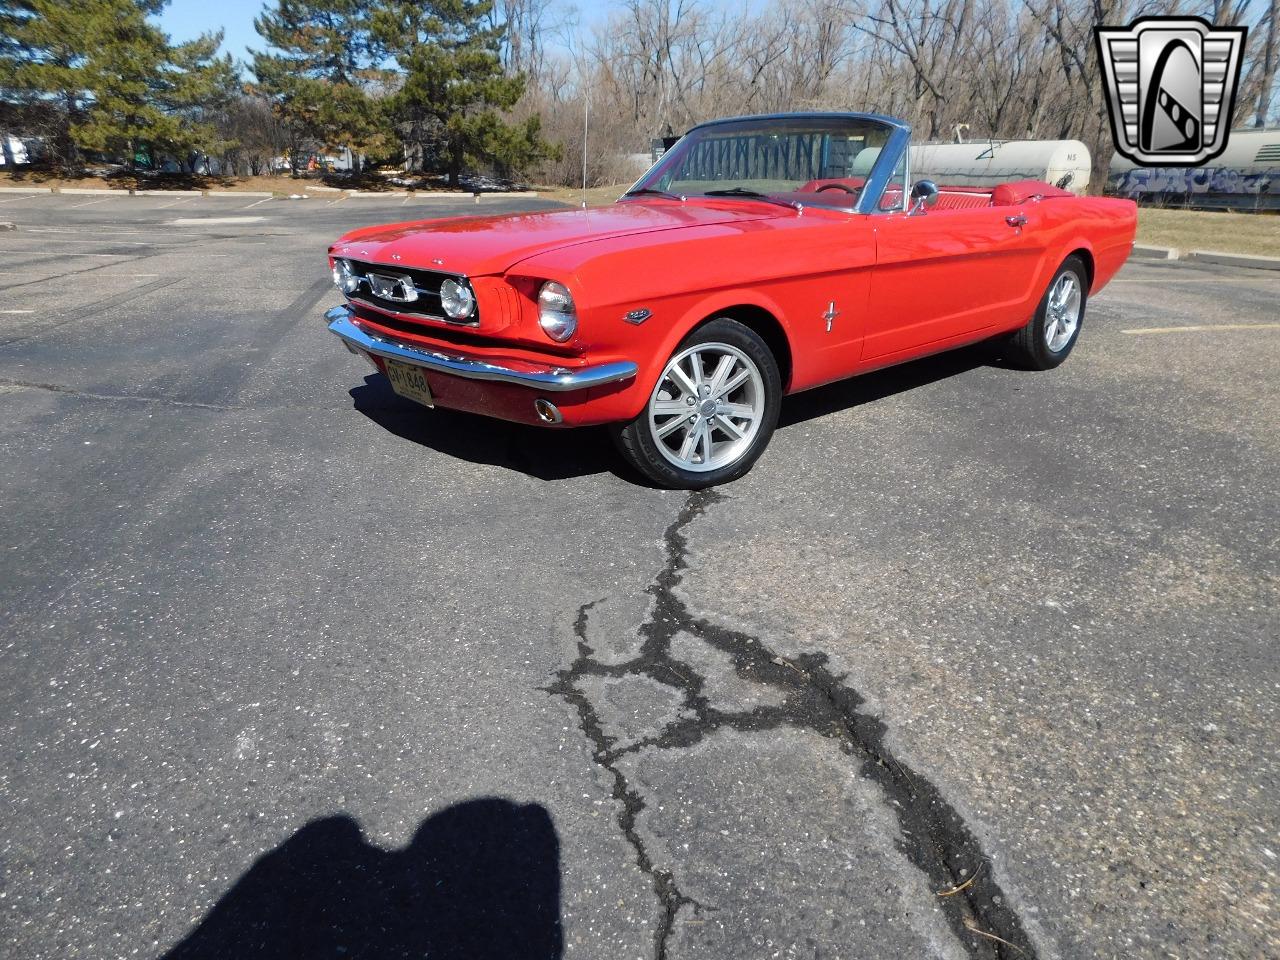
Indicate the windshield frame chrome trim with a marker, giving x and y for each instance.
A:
(899, 141)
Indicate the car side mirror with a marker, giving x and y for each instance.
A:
(923, 194)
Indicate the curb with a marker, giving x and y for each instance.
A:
(90, 191)
(26, 189)
(1233, 259)
(510, 193)
(237, 193)
(1144, 251)
(167, 193)
(366, 194)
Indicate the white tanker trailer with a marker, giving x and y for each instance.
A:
(1245, 176)
(985, 163)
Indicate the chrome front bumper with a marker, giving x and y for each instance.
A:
(549, 378)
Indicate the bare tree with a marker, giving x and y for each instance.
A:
(1000, 68)
(253, 135)
(1270, 26)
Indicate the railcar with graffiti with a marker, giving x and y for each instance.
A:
(1245, 177)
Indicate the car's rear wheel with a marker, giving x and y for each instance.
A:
(1051, 333)
(712, 411)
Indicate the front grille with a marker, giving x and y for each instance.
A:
(377, 280)
(455, 333)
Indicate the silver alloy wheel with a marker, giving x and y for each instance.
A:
(1062, 313)
(707, 406)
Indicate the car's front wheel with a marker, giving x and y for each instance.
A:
(712, 411)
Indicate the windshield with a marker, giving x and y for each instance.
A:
(809, 160)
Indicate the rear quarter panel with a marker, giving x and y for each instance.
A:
(1104, 227)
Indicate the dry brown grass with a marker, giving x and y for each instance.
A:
(596, 196)
(281, 184)
(1252, 233)
(1255, 233)
(43, 178)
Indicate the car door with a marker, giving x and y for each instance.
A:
(945, 274)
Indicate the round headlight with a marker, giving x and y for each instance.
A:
(556, 313)
(344, 278)
(457, 299)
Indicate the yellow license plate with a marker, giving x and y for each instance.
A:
(409, 381)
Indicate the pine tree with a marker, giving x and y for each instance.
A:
(146, 92)
(105, 78)
(319, 71)
(454, 89)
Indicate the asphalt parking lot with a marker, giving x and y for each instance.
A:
(975, 662)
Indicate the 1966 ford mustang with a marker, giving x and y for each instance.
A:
(759, 257)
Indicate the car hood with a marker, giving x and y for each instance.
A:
(476, 246)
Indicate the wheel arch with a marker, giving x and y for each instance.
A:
(768, 327)
(1084, 252)
(756, 313)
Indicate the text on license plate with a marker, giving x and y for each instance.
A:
(409, 381)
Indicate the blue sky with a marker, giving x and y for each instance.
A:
(187, 19)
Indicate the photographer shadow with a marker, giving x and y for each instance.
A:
(480, 880)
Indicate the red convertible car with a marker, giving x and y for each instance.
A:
(759, 257)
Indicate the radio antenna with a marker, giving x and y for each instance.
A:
(586, 115)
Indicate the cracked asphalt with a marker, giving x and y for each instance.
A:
(974, 663)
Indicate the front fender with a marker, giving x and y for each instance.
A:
(671, 323)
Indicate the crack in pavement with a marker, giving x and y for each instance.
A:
(933, 835)
(664, 885)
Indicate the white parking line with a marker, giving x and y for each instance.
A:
(28, 197)
(123, 243)
(109, 232)
(16, 311)
(1165, 280)
(1206, 328)
(175, 203)
(212, 221)
(256, 202)
(89, 203)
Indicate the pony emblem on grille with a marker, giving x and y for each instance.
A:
(1171, 85)
(399, 288)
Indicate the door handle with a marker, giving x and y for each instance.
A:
(1017, 220)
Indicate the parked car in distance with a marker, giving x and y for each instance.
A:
(760, 256)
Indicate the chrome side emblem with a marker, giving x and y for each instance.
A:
(398, 288)
(637, 316)
(831, 314)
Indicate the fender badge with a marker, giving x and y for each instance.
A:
(830, 315)
(637, 316)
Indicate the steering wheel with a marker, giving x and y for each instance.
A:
(837, 186)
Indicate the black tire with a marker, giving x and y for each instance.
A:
(1029, 347)
(636, 441)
